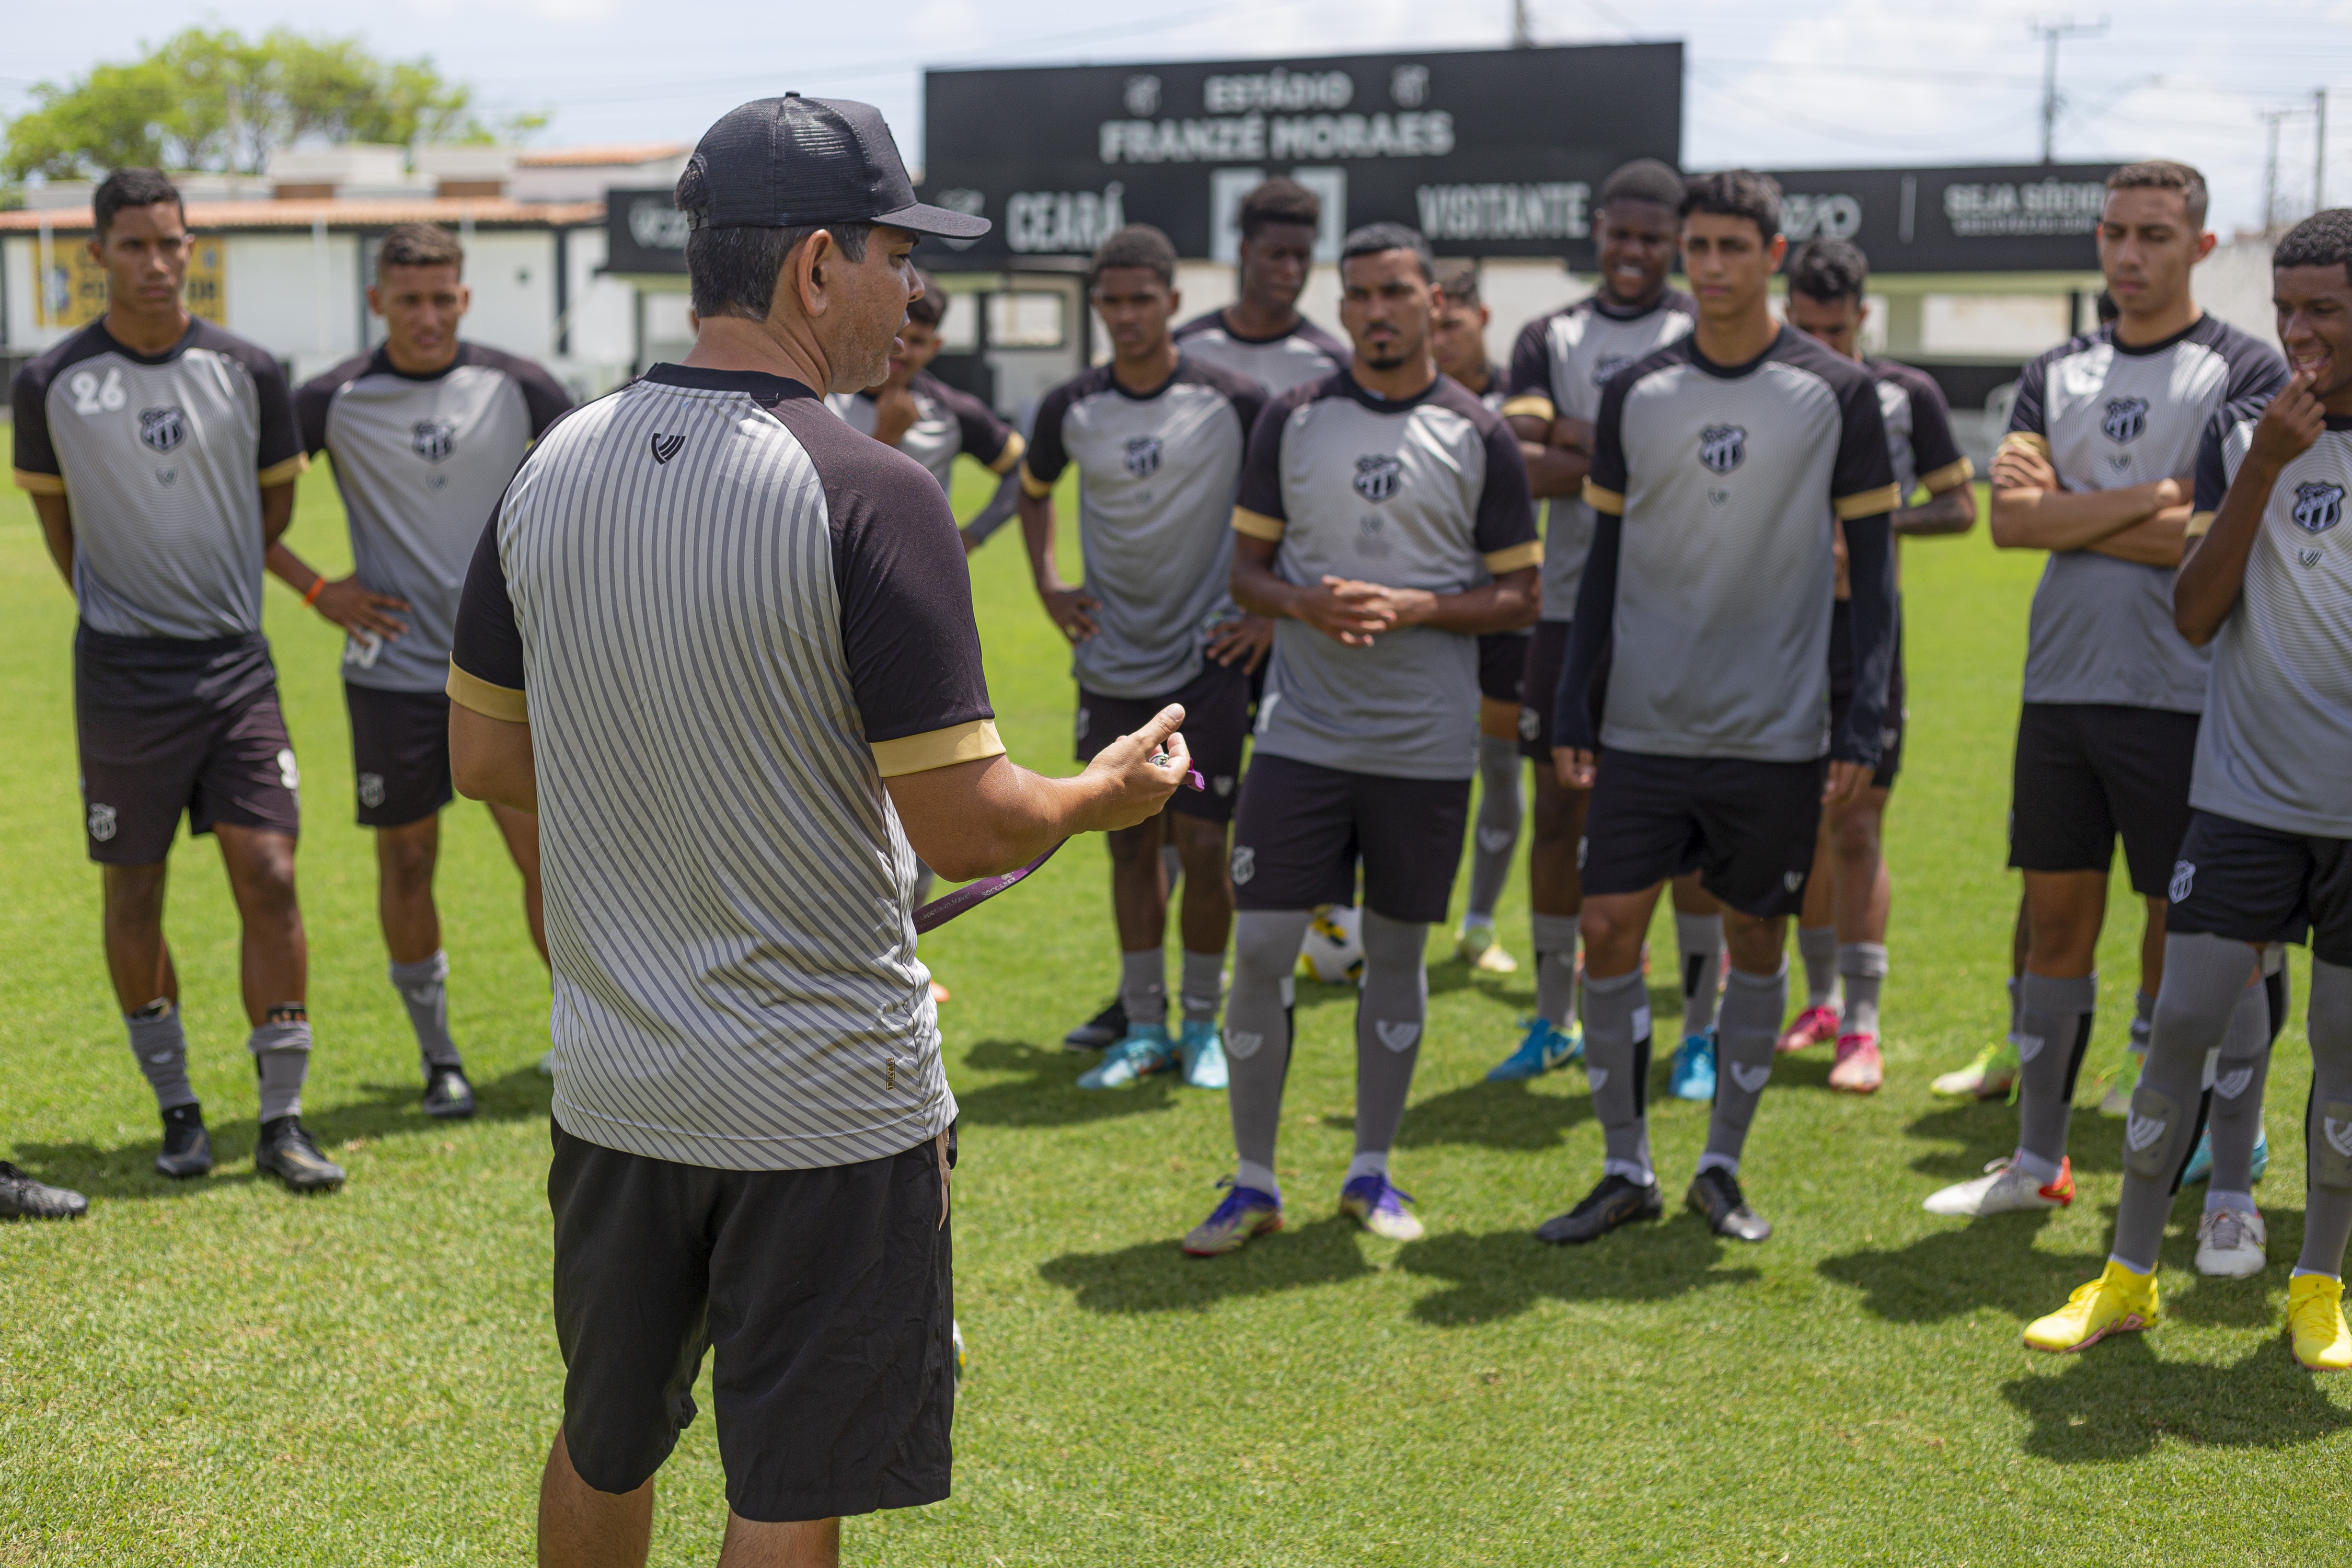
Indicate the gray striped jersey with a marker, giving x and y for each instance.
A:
(1157, 476)
(2108, 416)
(163, 458)
(1306, 352)
(1558, 367)
(1427, 491)
(727, 618)
(2275, 747)
(421, 461)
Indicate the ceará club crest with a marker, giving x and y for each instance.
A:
(1378, 476)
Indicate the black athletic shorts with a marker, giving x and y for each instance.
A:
(2088, 771)
(1217, 723)
(1747, 827)
(1503, 666)
(827, 1294)
(400, 753)
(168, 725)
(2250, 883)
(1547, 647)
(1890, 734)
(1303, 828)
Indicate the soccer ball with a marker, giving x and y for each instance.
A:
(1333, 949)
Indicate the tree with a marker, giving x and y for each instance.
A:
(214, 100)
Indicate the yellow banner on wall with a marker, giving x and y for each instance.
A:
(72, 291)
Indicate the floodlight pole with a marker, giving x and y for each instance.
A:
(2049, 32)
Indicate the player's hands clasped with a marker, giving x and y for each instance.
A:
(355, 609)
(2289, 426)
(1354, 613)
(1137, 773)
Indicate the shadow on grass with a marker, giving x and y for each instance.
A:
(1158, 1276)
(1989, 1263)
(389, 1110)
(2119, 1399)
(1987, 1129)
(1503, 1274)
(1050, 1096)
(1489, 1116)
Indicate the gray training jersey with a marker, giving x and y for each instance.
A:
(421, 461)
(1306, 352)
(2108, 418)
(1157, 476)
(1424, 492)
(728, 618)
(163, 458)
(947, 422)
(2275, 747)
(1728, 478)
(1558, 367)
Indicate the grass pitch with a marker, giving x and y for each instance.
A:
(220, 1374)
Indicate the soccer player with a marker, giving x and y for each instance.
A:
(2267, 582)
(1457, 338)
(1158, 439)
(1558, 367)
(930, 421)
(161, 453)
(2095, 470)
(1385, 524)
(425, 431)
(1718, 465)
(1842, 932)
(1261, 335)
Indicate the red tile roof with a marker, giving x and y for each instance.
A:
(338, 214)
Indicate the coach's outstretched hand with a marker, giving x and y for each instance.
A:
(1137, 773)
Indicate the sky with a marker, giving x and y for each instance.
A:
(1824, 84)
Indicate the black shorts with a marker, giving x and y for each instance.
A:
(1503, 666)
(1302, 828)
(1216, 724)
(2088, 771)
(1747, 827)
(168, 726)
(1890, 734)
(2250, 883)
(1546, 648)
(827, 1294)
(400, 754)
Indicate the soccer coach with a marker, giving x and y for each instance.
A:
(724, 645)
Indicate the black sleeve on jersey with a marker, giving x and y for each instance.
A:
(1607, 472)
(984, 435)
(1870, 570)
(1589, 637)
(2029, 416)
(281, 439)
(36, 456)
(1042, 463)
(1506, 511)
(487, 645)
(1262, 463)
(315, 396)
(1529, 374)
(1864, 471)
(2256, 370)
(2213, 452)
(908, 631)
(543, 397)
(1934, 448)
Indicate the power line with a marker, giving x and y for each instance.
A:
(2049, 32)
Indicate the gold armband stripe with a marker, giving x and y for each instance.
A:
(1950, 477)
(1256, 524)
(1014, 447)
(1530, 406)
(1517, 558)
(966, 743)
(40, 484)
(1866, 503)
(2200, 523)
(1600, 499)
(2027, 439)
(284, 473)
(1032, 486)
(507, 702)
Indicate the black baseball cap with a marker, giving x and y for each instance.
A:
(791, 161)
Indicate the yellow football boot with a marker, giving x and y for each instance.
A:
(2314, 1315)
(2117, 1302)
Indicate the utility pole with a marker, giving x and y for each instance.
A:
(2271, 118)
(2049, 32)
(1522, 33)
(2319, 152)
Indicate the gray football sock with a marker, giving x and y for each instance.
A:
(2327, 1122)
(1617, 1064)
(1753, 1005)
(1861, 965)
(1390, 1012)
(924, 875)
(1257, 1027)
(1497, 827)
(1555, 940)
(281, 1055)
(2205, 996)
(161, 1046)
(2016, 1001)
(2234, 1120)
(2053, 1027)
(1143, 985)
(1817, 946)
(1699, 938)
(2143, 1024)
(424, 988)
(1201, 986)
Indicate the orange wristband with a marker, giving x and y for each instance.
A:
(317, 583)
